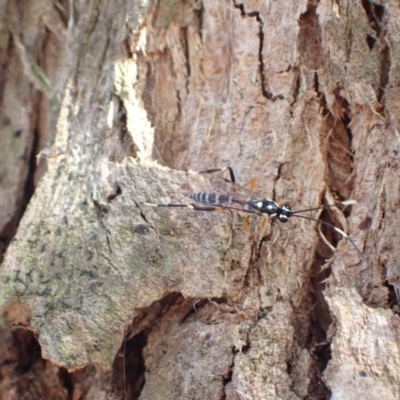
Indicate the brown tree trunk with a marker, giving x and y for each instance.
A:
(106, 106)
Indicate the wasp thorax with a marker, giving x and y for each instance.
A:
(266, 206)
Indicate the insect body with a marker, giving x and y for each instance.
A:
(239, 198)
(250, 204)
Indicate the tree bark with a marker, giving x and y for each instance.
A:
(108, 106)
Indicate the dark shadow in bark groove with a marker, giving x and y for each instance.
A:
(309, 43)
(371, 41)
(311, 321)
(129, 367)
(22, 354)
(228, 378)
(28, 349)
(391, 285)
(320, 320)
(121, 121)
(10, 229)
(264, 81)
(375, 14)
(67, 381)
(37, 378)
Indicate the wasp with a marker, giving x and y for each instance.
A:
(239, 198)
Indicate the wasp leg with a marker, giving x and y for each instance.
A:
(191, 206)
(251, 184)
(202, 208)
(212, 171)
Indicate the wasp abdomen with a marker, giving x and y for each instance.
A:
(211, 198)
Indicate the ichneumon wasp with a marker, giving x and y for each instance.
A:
(239, 198)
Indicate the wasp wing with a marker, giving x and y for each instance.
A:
(227, 201)
(223, 185)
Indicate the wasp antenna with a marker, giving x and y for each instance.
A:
(339, 203)
(349, 202)
(335, 229)
(313, 209)
(326, 241)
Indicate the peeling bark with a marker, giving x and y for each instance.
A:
(105, 107)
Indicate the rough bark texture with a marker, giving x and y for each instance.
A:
(102, 296)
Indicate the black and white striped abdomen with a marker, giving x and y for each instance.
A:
(211, 198)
